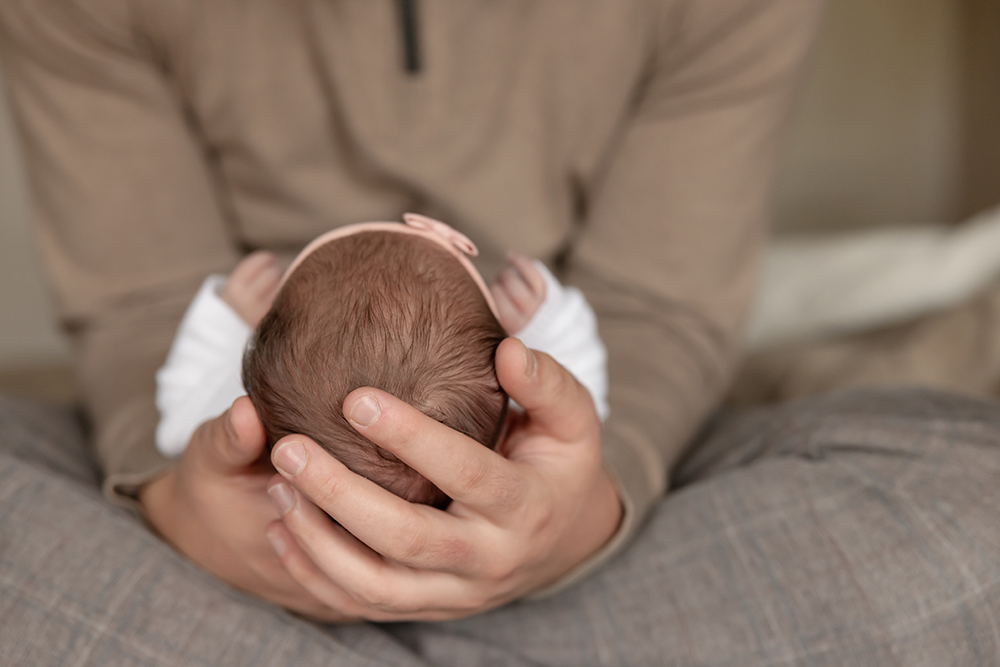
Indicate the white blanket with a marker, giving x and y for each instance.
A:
(841, 283)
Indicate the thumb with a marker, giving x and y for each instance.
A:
(553, 399)
(234, 440)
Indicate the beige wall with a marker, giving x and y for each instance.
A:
(877, 139)
(981, 95)
(877, 135)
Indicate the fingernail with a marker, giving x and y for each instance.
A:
(290, 458)
(277, 544)
(366, 411)
(282, 497)
(530, 364)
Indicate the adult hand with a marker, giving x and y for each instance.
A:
(518, 521)
(214, 509)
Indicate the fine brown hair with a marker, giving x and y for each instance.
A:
(385, 310)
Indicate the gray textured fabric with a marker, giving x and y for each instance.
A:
(857, 529)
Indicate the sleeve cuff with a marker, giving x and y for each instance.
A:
(137, 461)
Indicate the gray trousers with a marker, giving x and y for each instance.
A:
(856, 529)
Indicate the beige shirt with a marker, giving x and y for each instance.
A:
(630, 143)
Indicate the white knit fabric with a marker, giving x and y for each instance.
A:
(201, 377)
(565, 328)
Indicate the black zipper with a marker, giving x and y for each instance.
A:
(411, 43)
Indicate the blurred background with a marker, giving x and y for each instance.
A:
(897, 124)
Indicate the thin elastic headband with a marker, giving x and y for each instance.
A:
(453, 241)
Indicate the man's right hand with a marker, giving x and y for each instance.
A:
(214, 508)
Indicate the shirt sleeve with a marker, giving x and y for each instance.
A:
(108, 147)
(674, 225)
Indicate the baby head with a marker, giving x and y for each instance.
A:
(382, 309)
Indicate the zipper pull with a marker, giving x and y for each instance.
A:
(411, 43)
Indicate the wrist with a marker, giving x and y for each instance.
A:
(613, 505)
(157, 500)
(604, 514)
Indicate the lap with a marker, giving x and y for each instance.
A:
(82, 582)
(854, 529)
(47, 437)
(858, 529)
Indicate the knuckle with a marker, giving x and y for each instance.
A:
(412, 541)
(371, 595)
(507, 492)
(379, 597)
(502, 568)
(479, 477)
(404, 431)
(417, 545)
(224, 429)
(213, 440)
(472, 475)
(452, 552)
(536, 521)
(327, 490)
(206, 432)
(475, 602)
(542, 519)
(560, 381)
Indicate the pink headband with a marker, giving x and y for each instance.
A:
(454, 242)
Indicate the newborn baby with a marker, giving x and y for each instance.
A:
(398, 307)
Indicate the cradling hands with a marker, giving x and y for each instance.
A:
(213, 508)
(517, 523)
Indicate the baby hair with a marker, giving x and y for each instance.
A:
(377, 309)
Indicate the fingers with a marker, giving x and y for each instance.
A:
(252, 286)
(511, 319)
(518, 292)
(466, 471)
(231, 441)
(513, 285)
(530, 273)
(254, 277)
(417, 535)
(255, 269)
(555, 402)
(305, 573)
(347, 575)
(359, 593)
(263, 283)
